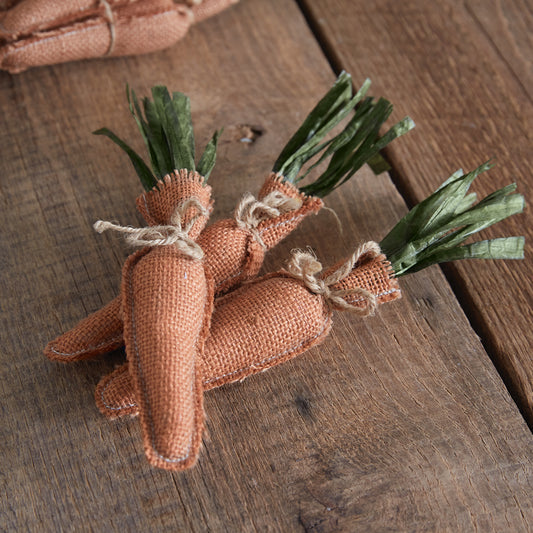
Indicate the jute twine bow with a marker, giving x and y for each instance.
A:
(172, 234)
(304, 266)
(251, 212)
(109, 17)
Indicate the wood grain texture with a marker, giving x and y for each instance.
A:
(508, 26)
(437, 64)
(397, 422)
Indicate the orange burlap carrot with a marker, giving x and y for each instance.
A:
(273, 319)
(45, 32)
(234, 252)
(167, 300)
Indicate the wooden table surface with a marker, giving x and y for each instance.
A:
(415, 419)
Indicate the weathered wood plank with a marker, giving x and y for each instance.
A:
(397, 422)
(508, 25)
(439, 66)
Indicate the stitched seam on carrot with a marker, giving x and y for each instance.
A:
(89, 348)
(143, 387)
(109, 406)
(384, 293)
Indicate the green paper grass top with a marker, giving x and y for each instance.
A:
(434, 230)
(166, 127)
(167, 130)
(358, 143)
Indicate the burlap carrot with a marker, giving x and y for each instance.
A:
(276, 318)
(235, 248)
(167, 302)
(45, 32)
(273, 319)
(167, 290)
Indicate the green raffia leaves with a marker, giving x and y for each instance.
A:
(143, 171)
(434, 230)
(208, 159)
(502, 248)
(378, 164)
(165, 125)
(332, 103)
(358, 143)
(362, 146)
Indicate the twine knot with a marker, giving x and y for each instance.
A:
(251, 212)
(305, 266)
(109, 17)
(186, 8)
(165, 235)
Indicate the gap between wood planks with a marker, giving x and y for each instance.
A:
(402, 184)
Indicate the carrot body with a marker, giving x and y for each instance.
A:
(167, 300)
(39, 33)
(167, 307)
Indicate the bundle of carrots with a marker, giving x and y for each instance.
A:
(185, 315)
(45, 32)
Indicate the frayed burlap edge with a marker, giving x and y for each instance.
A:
(162, 192)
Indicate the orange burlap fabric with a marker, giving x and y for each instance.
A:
(260, 325)
(167, 300)
(45, 32)
(232, 255)
(99, 333)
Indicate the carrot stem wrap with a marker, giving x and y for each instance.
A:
(304, 266)
(251, 212)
